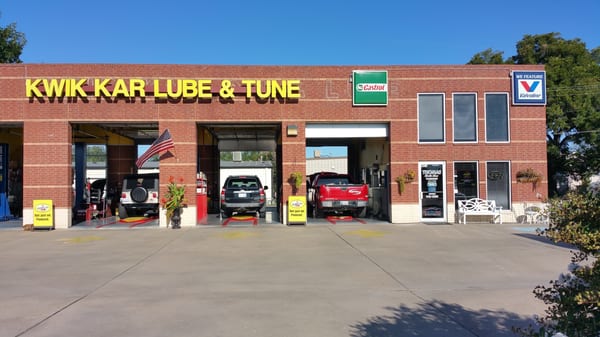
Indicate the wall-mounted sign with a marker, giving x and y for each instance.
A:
(529, 87)
(370, 87)
(200, 89)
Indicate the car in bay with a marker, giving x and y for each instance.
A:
(243, 194)
(139, 195)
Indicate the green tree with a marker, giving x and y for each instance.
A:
(488, 56)
(96, 154)
(574, 299)
(11, 44)
(226, 156)
(250, 156)
(573, 107)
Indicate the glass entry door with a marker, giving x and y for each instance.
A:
(433, 191)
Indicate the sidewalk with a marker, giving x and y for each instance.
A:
(322, 280)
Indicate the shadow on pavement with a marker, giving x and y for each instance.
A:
(543, 239)
(436, 318)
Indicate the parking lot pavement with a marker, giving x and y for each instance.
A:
(321, 280)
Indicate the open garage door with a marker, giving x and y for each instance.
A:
(339, 130)
(230, 149)
(245, 137)
(368, 157)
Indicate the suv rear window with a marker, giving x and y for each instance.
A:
(147, 183)
(333, 181)
(246, 183)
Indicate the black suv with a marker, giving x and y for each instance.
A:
(139, 195)
(243, 194)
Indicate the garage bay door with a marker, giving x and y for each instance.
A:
(339, 130)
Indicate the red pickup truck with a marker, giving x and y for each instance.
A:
(330, 192)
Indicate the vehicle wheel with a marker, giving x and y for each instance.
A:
(360, 212)
(139, 194)
(227, 213)
(316, 213)
(122, 212)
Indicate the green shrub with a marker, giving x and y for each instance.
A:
(574, 299)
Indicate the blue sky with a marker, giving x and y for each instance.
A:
(309, 32)
(306, 32)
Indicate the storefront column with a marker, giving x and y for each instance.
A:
(293, 160)
(120, 162)
(180, 162)
(47, 169)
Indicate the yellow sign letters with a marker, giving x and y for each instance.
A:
(203, 89)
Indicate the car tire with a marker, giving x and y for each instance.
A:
(122, 212)
(360, 212)
(139, 194)
(316, 213)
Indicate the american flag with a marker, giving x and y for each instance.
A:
(162, 143)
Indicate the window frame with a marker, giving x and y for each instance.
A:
(455, 175)
(509, 181)
(506, 94)
(454, 140)
(419, 140)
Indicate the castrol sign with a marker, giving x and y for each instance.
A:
(370, 87)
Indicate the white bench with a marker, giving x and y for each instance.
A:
(478, 206)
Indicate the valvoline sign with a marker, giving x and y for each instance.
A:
(529, 87)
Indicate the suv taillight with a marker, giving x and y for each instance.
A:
(223, 195)
(123, 195)
(261, 194)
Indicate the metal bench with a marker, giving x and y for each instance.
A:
(478, 206)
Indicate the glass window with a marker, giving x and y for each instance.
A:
(498, 183)
(496, 117)
(431, 117)
(465, 117)
(466, 180)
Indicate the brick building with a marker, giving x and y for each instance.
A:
(464, 131)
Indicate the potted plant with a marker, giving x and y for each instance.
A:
(295, 180)
(408, 177)
(529, 175)
(400, 180)
(173, 201)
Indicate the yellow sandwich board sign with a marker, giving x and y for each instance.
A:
(43, 214)
(297, 209)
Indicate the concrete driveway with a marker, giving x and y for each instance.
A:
(315, 280)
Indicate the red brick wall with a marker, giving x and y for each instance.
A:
(325, 97)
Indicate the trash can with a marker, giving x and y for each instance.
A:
(268, 217)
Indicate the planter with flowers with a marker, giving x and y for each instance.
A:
(406, 178)
(295, 180)
(529, 175)
(173, 201)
